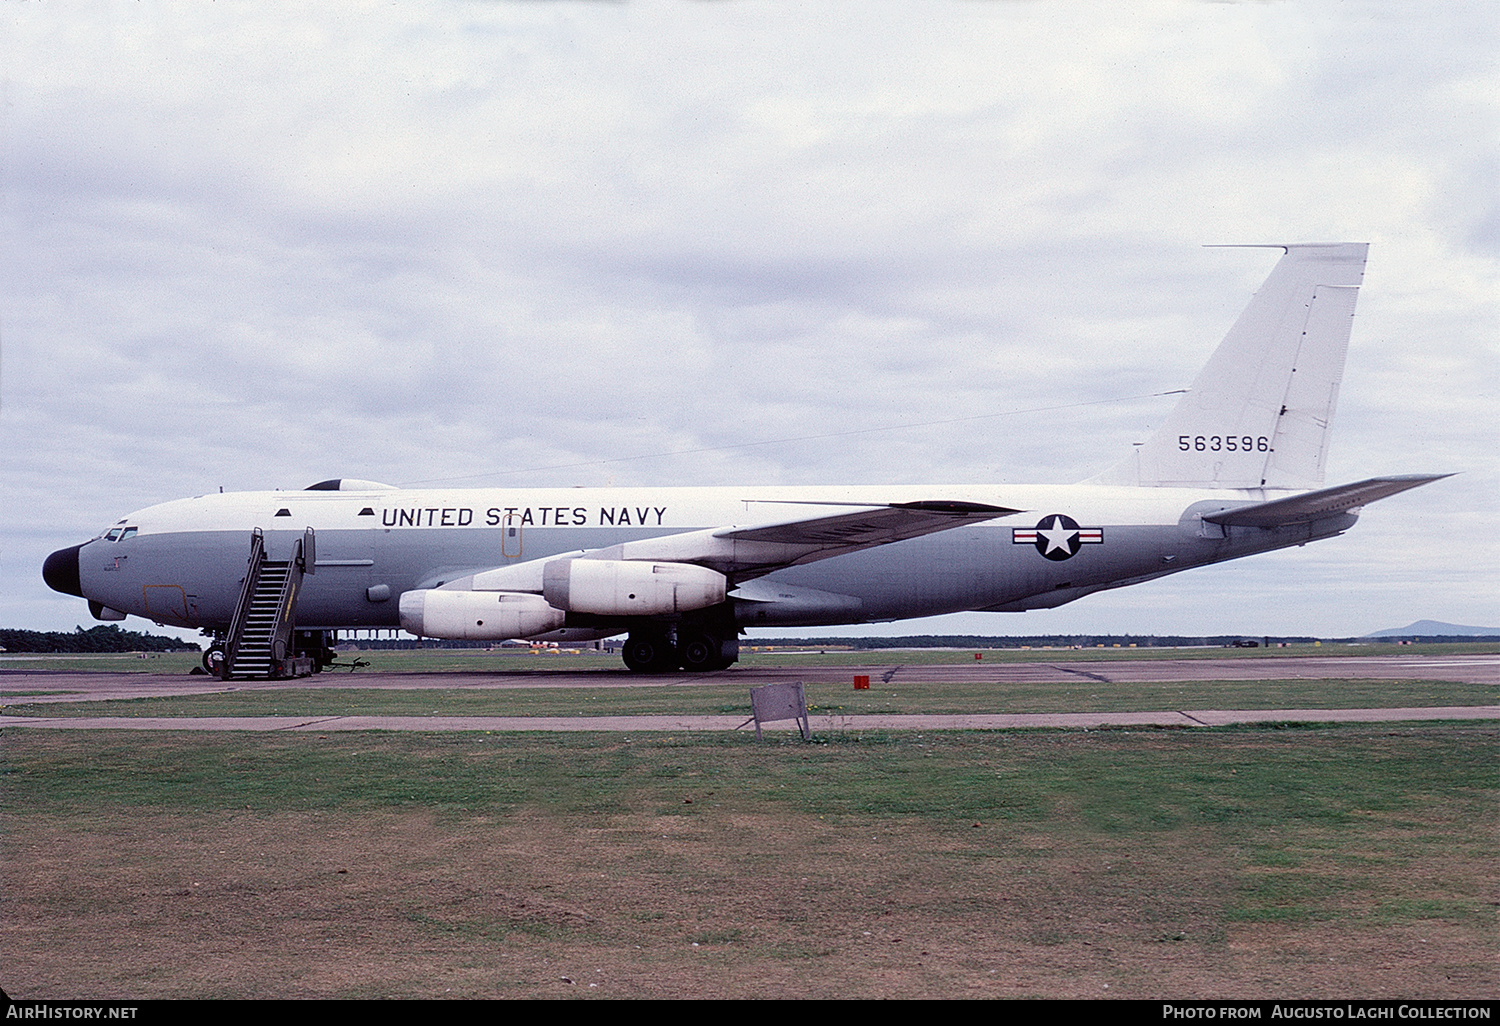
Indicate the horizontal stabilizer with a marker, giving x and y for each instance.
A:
(1326, 502)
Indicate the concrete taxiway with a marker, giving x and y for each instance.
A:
(39, 687)
(68, 686)
(821, 723)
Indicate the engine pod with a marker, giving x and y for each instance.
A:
(613, 587)
(477, 615)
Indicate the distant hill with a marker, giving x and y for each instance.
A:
(1435, 628)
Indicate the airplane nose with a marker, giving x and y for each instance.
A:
(60, 571)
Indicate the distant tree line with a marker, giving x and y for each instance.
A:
(1035, 641)
(408, 643)
(108, 638)
(976, 641)
(104, 638)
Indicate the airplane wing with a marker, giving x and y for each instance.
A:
(743, 553)
(670, 575)
(747, 552)
(1309, 506)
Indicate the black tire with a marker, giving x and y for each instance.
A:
(700, 652)
(649, 653)
(706, 651)
(729, 651)
(213, 660)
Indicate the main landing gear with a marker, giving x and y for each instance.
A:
(650, 653)
(696, 650)
(701, 651)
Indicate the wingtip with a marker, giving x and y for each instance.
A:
(955, 507)
(1420, 479)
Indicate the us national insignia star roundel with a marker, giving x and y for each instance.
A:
(1058, 536)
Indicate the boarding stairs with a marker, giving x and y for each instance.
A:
(259, 638)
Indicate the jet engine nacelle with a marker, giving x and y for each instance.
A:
(615, 587)
(477, 615)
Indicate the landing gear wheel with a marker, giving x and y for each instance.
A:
(696, 652)
(213, 660)
(650, 653)
(704, 652)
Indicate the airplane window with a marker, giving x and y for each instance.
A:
(130, 532)
(114, 534)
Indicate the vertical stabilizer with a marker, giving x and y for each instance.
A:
(1258, 414)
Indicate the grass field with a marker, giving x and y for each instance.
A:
(1316, 862)
(1345, 861)
(912, 695)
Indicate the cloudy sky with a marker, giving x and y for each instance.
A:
(255, 245)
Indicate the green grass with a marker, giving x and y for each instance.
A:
(1243, 780)
(110, 662)
(478, 660)
(907, 694)
(1319, 821)
(716, 865)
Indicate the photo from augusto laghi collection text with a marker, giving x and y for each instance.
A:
(1359, 1010)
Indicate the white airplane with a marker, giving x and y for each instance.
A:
(1236, 469)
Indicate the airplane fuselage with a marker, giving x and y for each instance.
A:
(183, 563)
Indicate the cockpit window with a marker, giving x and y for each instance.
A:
(114, 534)
(130, 532)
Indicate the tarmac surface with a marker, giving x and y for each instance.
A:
(68, 686)
(820, 723)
